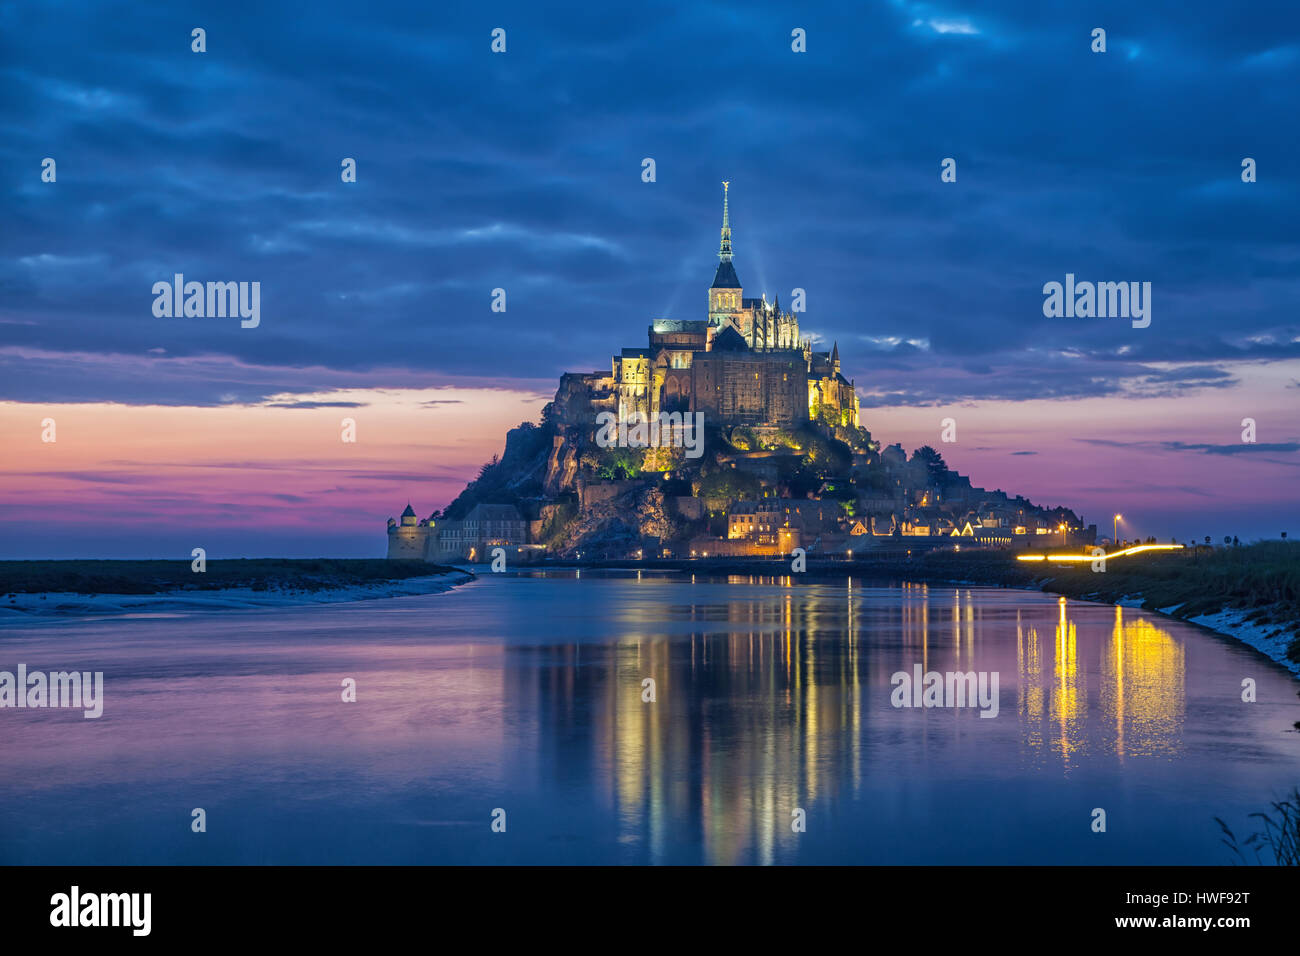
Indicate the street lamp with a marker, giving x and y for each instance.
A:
(1114, 532)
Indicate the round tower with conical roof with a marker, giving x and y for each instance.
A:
(409, 540)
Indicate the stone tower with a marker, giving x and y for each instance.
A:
(410, 539)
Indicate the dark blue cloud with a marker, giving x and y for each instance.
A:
(522, 171)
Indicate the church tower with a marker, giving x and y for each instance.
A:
(724, 294)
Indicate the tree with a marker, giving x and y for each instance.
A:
(663, 458)
(730, 484)
(620, 464)
(935, 466)
(743, 438)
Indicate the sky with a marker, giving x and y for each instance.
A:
(523, 170)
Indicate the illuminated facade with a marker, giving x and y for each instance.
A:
(743, 364)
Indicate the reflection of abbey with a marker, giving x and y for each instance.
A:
(743, 364)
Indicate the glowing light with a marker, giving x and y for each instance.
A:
(1137, 549)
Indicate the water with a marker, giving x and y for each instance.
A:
(525, 694)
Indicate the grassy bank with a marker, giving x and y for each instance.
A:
(157, 577)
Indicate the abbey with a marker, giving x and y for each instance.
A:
(744, 364)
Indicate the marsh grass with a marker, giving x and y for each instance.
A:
(1278, 836)
(155, 577)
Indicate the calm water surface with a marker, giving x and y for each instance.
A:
(525, 693)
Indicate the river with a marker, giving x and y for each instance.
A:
(772, 736)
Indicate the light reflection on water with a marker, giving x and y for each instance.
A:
(526, 693)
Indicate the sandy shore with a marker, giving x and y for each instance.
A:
(1266, 639)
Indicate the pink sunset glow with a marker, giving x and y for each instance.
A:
(275, 479)
(249, 480)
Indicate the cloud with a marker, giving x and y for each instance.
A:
(226, 167)
(317, 404)
(942, 26)
(1242, 448)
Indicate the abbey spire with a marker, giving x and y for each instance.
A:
(725, 293)
(724, 248)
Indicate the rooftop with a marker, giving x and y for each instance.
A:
(725, 277)
(679, 325)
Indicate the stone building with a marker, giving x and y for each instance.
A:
(409, 539)
(743, 364)
(469, 539)
(483, 528)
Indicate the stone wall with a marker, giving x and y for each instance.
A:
(692, 509)
(750, 388)
(595, 492)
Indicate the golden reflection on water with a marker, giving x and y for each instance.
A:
(780, 699)
(1145, 698)
(1136, 703)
